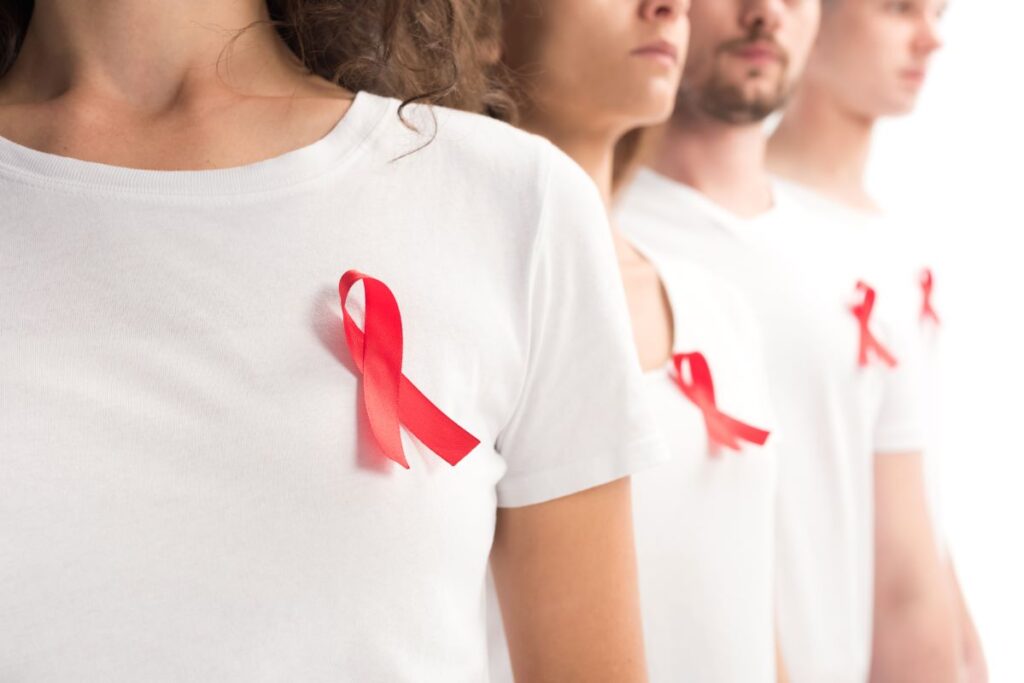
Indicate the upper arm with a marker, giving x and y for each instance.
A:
(907, 559)
(565, 574)
(781, 673)
(563, 559)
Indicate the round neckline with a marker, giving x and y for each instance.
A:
(817, 198)
(288, 168)
(743, 226)
(645, 253)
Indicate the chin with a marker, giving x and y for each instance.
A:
(760, 88)
(641, 116)
(901, 106)
(654, 105)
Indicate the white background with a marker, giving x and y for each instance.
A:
(956, 164)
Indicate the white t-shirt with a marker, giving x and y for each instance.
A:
(704, 522)
(916, 297)
(899, 250)
(189, 490)
(833, 414)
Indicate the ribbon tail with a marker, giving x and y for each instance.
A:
(884, 355)
(384, 423)
(382, 415)
(719, 432)
(729, 431)
(865, 333)
(747, 432)
(431, 426)
(862, 356)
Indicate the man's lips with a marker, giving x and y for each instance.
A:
(760, 53)
(915, 76)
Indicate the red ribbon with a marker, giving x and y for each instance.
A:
(868, 342)
(390, 398)
(722, 429)
(927, 284)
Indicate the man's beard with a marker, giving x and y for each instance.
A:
(726, 101)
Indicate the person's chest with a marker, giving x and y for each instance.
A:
(185, 430)
(713, 404)
(706, 517)
(235, 310)
(824, 301)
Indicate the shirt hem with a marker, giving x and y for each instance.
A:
(541, 487)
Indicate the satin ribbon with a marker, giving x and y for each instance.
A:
(868, 342)
(391, 399)
(722, 429)
(927, 285)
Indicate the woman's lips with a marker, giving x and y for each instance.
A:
(661, 51)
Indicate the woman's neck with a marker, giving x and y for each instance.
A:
(824, 145)
(151, 56)
(593, 150)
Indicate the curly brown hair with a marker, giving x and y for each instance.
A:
(433, 51)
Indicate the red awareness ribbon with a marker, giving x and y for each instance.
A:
(927, 285)
(722, 429)
(868, 342)
(390, 398)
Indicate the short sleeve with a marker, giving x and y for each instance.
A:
(581, 418)
(910, 259)
(900, 427)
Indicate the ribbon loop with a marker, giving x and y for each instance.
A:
(722, 429)
(868, 342)
(927, 285)
(391, 399)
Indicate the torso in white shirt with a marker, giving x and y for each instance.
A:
(704, 521)
(917, 282)
(189, 489)
(800, 279)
